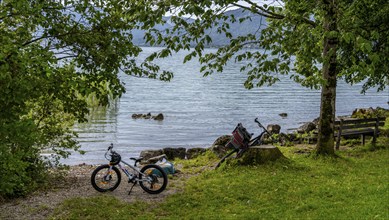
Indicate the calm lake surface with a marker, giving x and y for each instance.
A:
(197, 110)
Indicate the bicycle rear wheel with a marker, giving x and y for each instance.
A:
(103, 179)
(153, 179)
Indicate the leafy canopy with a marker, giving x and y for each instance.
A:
(290, 42)
(53, 54)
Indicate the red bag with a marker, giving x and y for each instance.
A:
(240, 138)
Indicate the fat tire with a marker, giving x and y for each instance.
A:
(164, 177)
(106, 166)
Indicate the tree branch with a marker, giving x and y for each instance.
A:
(257, 11)
(66, 57)
(269, 14)
(265, 10)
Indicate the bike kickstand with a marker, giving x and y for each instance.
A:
(131, 188)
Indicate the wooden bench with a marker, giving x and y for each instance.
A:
(362, 127)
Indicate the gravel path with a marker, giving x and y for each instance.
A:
(40, 205)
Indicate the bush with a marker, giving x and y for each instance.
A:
(23, 169)
(20, 164)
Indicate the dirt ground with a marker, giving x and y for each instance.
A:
(76, 183)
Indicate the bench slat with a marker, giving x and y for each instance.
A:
(356, 132)
(369, 131)
(363, 120)
(364, 125)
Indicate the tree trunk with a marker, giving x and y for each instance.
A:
(325, 144)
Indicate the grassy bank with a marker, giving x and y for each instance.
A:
(353, 186)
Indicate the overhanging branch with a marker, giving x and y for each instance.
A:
(269, 14)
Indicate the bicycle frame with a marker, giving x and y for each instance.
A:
(132, 177)
(107, 177)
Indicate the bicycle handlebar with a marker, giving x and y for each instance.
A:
(110, 151)
(259, 123)
(261, 126)
(110, 147)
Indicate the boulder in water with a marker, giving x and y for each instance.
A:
(158, 117)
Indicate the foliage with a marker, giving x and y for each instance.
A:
(53, 56)
(315, 42)
(291, 39)
(351, 186)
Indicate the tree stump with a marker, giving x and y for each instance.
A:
(260, 154)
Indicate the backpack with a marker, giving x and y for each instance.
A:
(240, 138)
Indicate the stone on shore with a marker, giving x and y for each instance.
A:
(172, 153)
(147, 154)
(219, 146)
(273, 128)
(194, 152)
(306, 128)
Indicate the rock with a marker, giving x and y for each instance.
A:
(156, 159)
(293, 138)
(194, 152)
(147, 154)
(369, 112)
(260, 155)
(362, 112)
(274, 128)
(173, 153)
(316, 121)
(158, 117)
(306, 128)
(136, 116)
(222, 140)
(283, 115)
(147, 116)
(219, 146)
(284, 140)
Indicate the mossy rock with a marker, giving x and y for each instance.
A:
(219, 146)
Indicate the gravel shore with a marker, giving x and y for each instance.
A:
(76, 183)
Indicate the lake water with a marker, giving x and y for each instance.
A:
(197, 110)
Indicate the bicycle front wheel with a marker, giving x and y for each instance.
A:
(152, 179)
(104, 179)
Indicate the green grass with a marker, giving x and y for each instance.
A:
(100, 207)
(353, 186)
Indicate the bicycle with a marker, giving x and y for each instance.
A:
(151, 178)
(243, 147)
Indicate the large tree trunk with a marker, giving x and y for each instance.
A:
(325, 144)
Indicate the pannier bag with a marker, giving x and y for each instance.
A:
(240, 138)
(167, 166)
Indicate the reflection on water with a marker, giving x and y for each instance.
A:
(197, 110)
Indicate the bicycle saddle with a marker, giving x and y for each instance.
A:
(137, 160)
